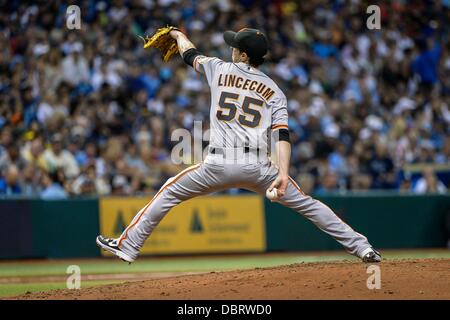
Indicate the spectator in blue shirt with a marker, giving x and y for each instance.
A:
(328, 184)
(53, 190)
(426, 63)
(10, 185)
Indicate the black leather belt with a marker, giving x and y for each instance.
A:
(214, 150)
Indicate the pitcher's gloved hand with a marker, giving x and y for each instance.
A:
(163, 41)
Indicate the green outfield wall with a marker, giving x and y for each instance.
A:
(67, 228)
(389, 221)
(48, 229)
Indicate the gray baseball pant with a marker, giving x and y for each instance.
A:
(213, 175)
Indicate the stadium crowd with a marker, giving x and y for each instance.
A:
(89, 112)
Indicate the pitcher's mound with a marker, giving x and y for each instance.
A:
(400, 279)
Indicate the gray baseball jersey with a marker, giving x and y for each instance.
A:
(245, 105)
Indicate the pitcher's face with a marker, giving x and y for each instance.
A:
(238, 56)
(235, 55)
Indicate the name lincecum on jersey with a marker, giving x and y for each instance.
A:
(231, 80)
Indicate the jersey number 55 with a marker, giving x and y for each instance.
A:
(251, 118)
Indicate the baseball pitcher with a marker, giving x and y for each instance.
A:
(246, 105)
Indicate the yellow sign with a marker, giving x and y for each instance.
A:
(201, 225)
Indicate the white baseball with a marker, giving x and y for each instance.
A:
(271, 195)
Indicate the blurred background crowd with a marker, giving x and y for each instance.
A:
(89, 112)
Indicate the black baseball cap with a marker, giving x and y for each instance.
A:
(251, 41)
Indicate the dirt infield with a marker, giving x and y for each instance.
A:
(400, 279)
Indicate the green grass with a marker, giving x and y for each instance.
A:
(14, 289)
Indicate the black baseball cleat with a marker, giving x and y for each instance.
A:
(111, 245)
(371, 256)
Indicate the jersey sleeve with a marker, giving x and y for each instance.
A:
(279, 112)
(207, 66)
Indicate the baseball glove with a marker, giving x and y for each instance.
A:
(162, 41)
